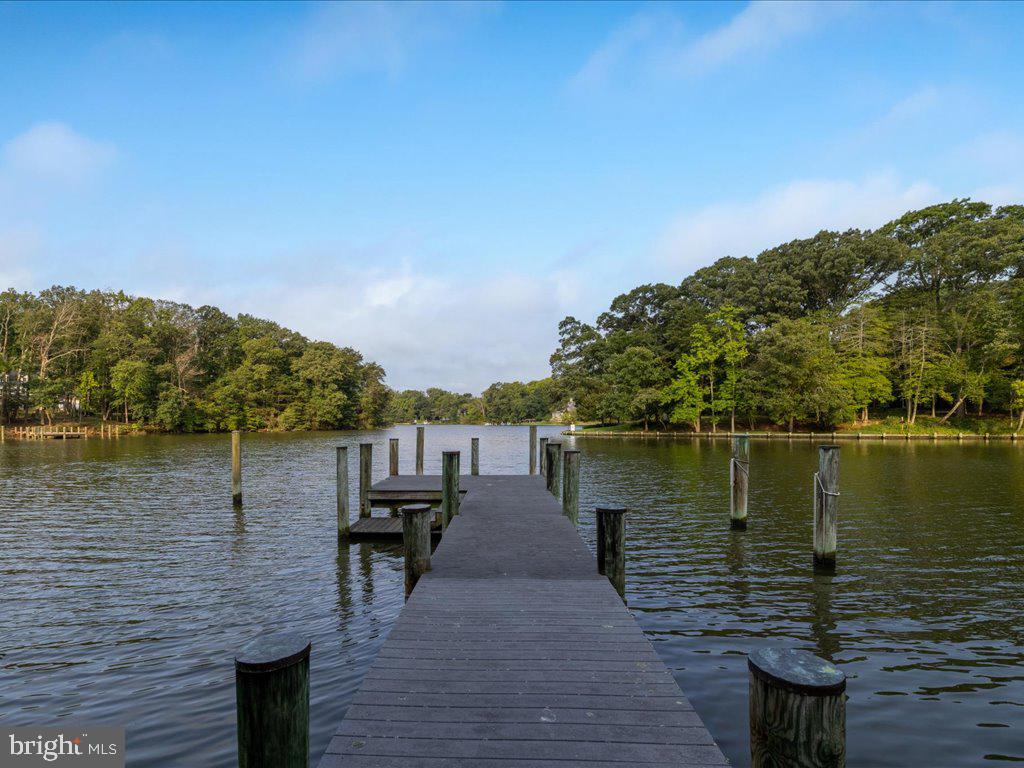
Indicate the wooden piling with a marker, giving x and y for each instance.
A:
(797, 710)
(393, 456)
(571, 485)
(272, 697)
(543, 450)
(365, 478)
(612, 546)
(419, 449)
(341, 485)
(826, 506)
(449, 486)
(236, 468)
(474, 456)
(554, 467)
(739, 478)
(416, 538)
(533, 450)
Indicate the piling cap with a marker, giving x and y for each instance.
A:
(615, 510)
(414, 509)
(798, 671)
(272, 651)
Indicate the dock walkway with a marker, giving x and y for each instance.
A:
(512, 652)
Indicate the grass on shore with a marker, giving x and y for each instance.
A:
(891, 424)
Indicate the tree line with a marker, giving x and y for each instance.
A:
(924, 314)
(501, 403)
(68, 353)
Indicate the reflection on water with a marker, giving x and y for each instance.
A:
(128, 581)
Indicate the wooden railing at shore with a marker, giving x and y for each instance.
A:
(770, 435)
(59, 432)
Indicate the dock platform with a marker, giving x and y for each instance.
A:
(513, 652)
(396, 491)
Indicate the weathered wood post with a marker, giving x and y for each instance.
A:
(544, 457)
(797, 710)
(272, 697)
(449, 486)
(419, 450)
(571, 486)
(3, 437)
(554, 467)
(365, 478)
(416, 538)
(826, 506)
(474, 456)
(393, 456)
(236, 467)
(341, 481)
(739, 479)
(611, 546)
(533, 450)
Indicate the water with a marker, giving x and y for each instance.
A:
(128, 581)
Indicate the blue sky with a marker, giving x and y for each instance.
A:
(438, 185)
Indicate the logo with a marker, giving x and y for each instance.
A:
(98, 747)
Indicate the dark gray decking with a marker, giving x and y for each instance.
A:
(514, 652)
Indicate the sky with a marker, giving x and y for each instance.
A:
(438, 185)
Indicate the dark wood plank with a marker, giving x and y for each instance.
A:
(512, 652)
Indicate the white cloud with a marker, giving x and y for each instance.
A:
(762, 26)
(340, 38)
(798, 209)
(652, 43)
(18, 249)
(425, 330)
(51, 152)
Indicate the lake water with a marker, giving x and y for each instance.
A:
(127, 581)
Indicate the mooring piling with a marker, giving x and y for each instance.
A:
(571, 485)
(474, 456)
(543, 457)
(797, 710)
(611, 546)
(533, 450)
(826, 506)
(739, 478)
(416, 538)
(449, 486)
(236, 467)
(419, 449)
(553, 467)
(365, 478)
(341, 483)
(393, 456)
(272, 698)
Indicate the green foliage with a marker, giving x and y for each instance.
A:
(65, 352)
(928, 309)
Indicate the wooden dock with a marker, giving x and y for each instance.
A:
(397, 491)
(512, 652)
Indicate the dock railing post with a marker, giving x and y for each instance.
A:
(449, 486)
(416, 538)
(611, 546)
(533, 450)
(236, 467)
(393, 456)
(826, 506)
(571, 485)
(797, 710)
(341, 482)
(419, 450)
(365, 478)
(553, 467)
(272, 699)
(543, 457)
(739, 478)
(474, 456)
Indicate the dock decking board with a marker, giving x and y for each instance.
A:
(512, 652)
